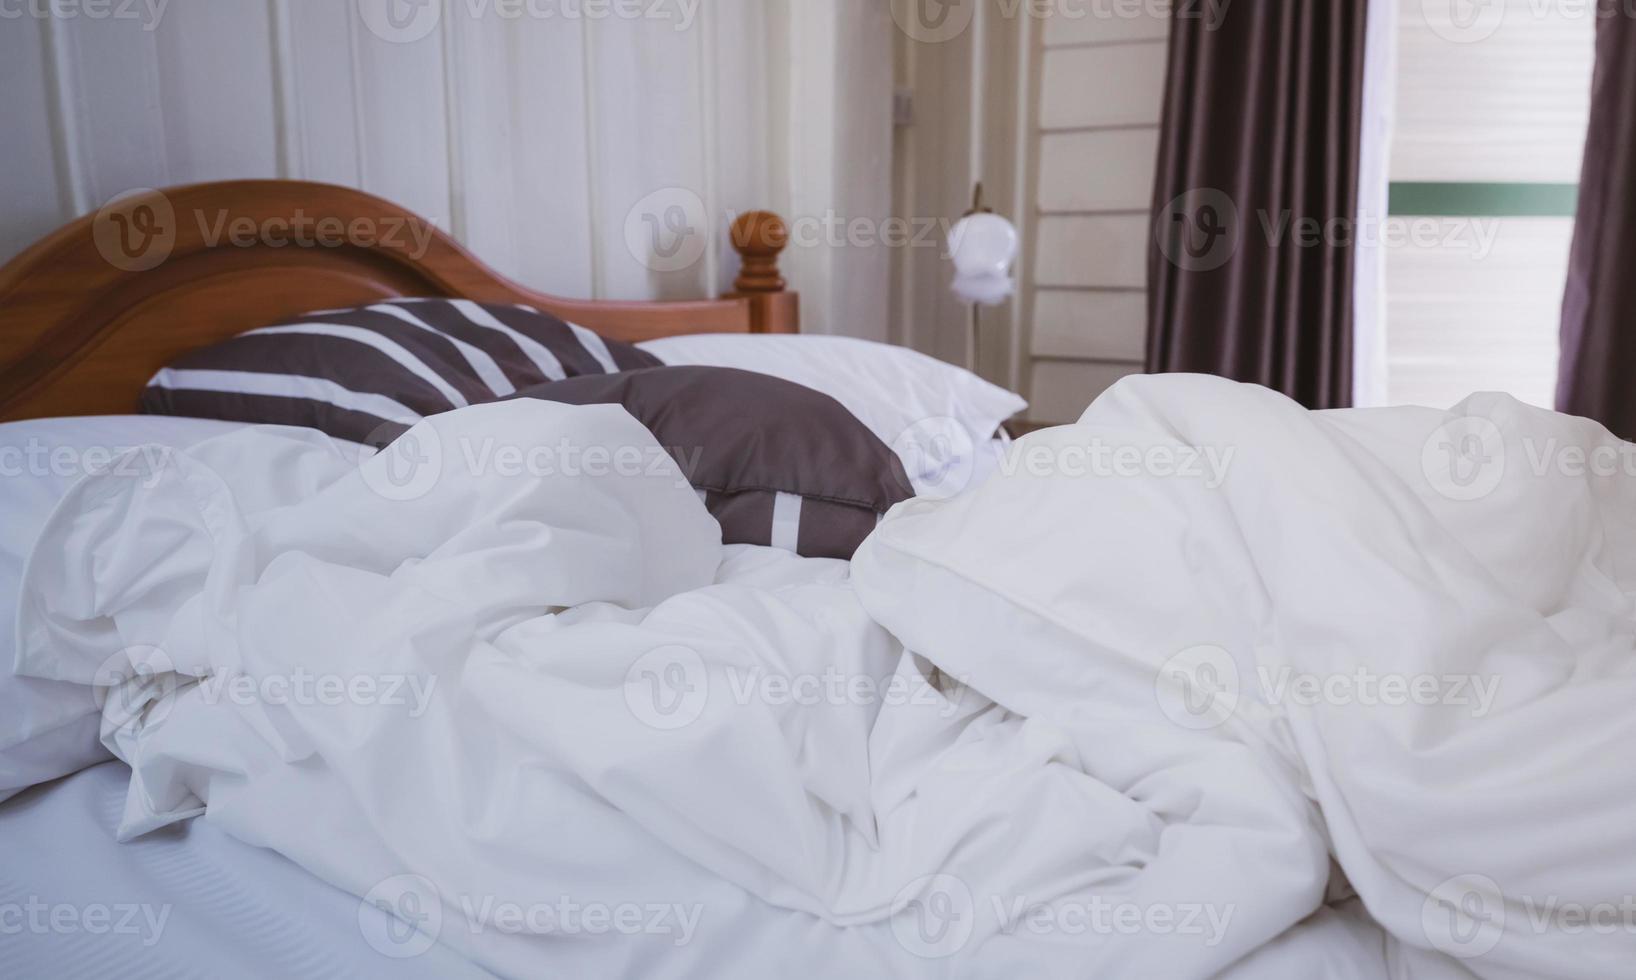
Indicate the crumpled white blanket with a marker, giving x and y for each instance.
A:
(1420, 620)
(392, 672)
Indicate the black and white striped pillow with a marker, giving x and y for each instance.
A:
(367, 375)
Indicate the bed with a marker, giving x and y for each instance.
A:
(1051, 722)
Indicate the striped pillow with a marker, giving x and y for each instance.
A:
(367, 375)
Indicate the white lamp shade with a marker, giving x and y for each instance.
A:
(983, 244)
(983, 247)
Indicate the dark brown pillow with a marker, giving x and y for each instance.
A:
(366, 375)
(777, 463)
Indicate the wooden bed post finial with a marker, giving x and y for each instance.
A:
(759, 237)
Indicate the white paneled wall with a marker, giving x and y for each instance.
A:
(1121, 160)
(1060, 316)
(1101, 83)
(1091, 252)
(1094, 145)
(531, 136)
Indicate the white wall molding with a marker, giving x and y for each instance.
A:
(286, 106)
(65, 132)
(453, 118)
(1026, 168)
(710, 126)
(593, 169)
(355, 62)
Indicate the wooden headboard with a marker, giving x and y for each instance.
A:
(91, 312)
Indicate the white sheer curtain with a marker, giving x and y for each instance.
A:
(1369, 282)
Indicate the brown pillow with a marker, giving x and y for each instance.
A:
(777, 463)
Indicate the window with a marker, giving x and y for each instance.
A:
(1492, 103)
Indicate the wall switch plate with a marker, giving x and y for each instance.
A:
(903, 107)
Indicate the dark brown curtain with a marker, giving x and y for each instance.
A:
(1598, 374)
(1250, 272)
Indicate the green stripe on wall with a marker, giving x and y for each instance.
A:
(1485, 200)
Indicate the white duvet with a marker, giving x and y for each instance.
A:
(1179, 676)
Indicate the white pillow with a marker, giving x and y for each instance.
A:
(50, 729)
(940, 419)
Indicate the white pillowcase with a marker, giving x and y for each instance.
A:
(940, 419)
(50, 729)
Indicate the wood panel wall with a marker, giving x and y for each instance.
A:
(548, 144)
(1094, 146)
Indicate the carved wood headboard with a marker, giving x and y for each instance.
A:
(88, 314)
